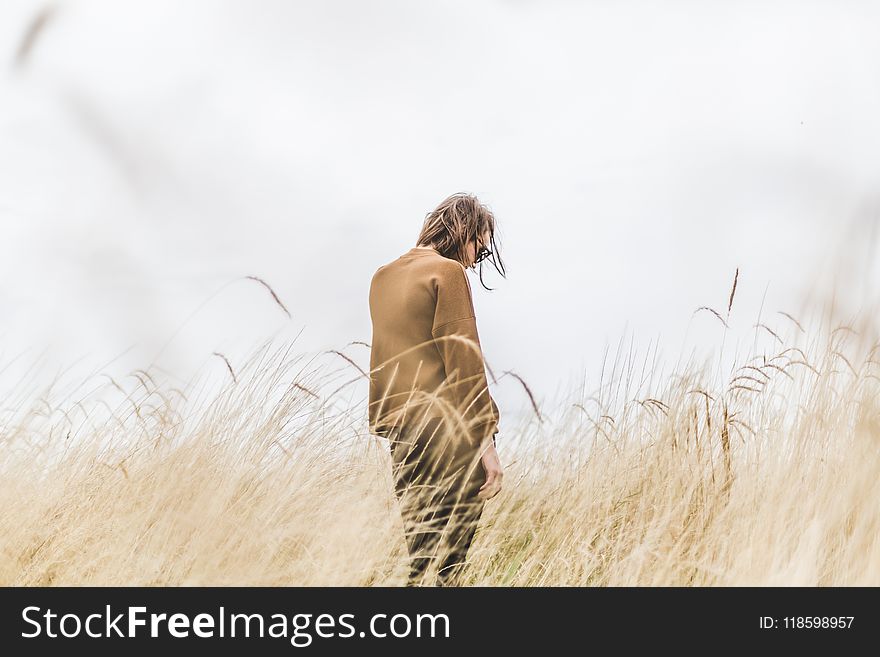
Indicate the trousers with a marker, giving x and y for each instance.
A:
(437, 476)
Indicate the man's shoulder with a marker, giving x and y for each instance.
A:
(448, 266)
(381, 269)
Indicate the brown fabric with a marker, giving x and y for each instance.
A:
(425, 344)
(436, 480)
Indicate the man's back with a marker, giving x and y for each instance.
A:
(418, 302)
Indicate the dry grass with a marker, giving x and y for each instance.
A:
(767, 477)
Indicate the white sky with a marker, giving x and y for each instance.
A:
(634, 153)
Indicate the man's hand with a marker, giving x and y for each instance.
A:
(494, 473)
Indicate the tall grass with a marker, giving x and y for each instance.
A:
(763, 475)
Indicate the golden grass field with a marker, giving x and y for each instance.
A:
(763, 475)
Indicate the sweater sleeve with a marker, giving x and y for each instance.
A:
(456, 337)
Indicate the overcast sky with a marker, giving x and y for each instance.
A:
(634, 154)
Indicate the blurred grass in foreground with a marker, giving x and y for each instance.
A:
(766, 475)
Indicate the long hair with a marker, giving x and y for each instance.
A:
(459, 219)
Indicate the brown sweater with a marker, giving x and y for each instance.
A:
(425, 352)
